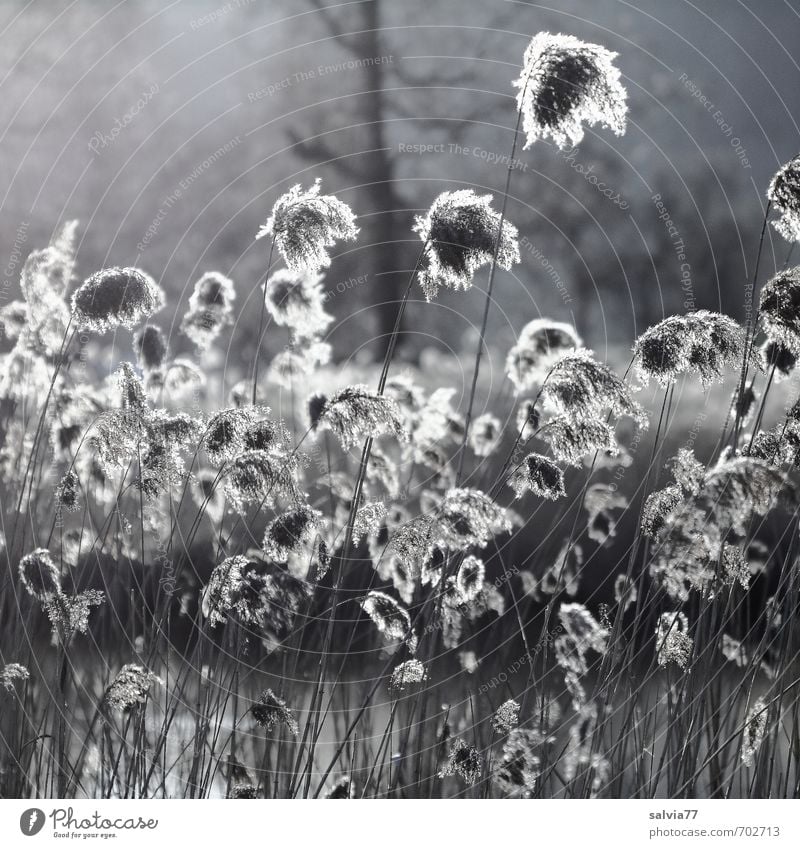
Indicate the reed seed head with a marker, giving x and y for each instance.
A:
(305, 223)
(116, 297)
(566, 83)
(461, 232)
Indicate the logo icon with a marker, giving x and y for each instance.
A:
(31, 821)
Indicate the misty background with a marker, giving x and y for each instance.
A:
(169, 129)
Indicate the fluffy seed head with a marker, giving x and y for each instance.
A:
(39, 575)
(412, 543)
(116, 297)
(779, 357)
(582, 627)
(520, 768)
(566, 83)
(754, 731)
(673, 642)
(304, 223)
(468, 518)
(13, 319)
(599, 501)
(506, 717)
(210, 309)
(258, 593)
(261, 476)
(571, 440)
(68, 492)
(150, 347)
(224, 594)
(735, 567)
(685, 557)
(541, 344)
(562, 574)
(580, 386)
(392, 620)
(12, 673)
(527, 418)
(688, 471)
(288, 533)
(779, 307)
(369, 518)
(242, 791)
(295, 299)
(737, 488)
(539, 475)
(69, 614)
(303, 357)
(658, 506)
(213, 291)
(43, 281)
(271, 711)
(469, 578)
(733, 651)
(224, 436)
(460, 232)
(485, 434)
(625, 591)
(182, 375)
(354, 413)
(704, 343)
(438, 421)
(784, 192)
(341, 789)
(407, 673)
(464, 761)
(130, 687)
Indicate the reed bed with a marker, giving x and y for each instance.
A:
(303, 586)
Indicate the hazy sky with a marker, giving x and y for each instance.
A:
(164, 127)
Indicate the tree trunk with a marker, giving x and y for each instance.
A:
(385, 228)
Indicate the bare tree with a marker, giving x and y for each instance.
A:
(388, 250)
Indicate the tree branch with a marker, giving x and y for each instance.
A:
(315, 149)
(334, 26)
(455, 127)
(413, 81)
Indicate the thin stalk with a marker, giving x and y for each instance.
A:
(488, 303)
(261, 323)
(357, 489)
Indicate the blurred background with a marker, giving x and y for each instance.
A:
(170, 128)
